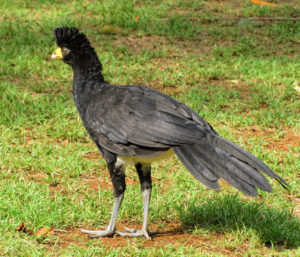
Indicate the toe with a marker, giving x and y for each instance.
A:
(146, 235)
(134, 233)
(97, 233)
(131, 230)
(88, 231)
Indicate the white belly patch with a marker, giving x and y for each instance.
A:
(137, 159)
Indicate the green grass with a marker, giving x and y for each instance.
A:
(241, 78)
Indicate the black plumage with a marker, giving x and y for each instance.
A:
(137, 124)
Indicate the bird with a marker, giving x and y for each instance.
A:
(137, 125)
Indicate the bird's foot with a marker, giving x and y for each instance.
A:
(135, 233)
(98, 233)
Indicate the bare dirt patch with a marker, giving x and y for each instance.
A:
(174, 47)
(288, 139)
(37, 176)
(95, 182)
(166, 89)
(92, 155)
(137, 44)
(172, 234)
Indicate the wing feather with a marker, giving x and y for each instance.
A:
(144, 117)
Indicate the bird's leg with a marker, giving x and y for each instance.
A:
(117, 175)
(144, 172)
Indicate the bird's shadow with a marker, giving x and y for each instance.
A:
(273, 226)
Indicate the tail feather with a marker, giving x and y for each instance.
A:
(197, 169)
(237, 182)
(215, 167)
(214, 157)
(247, 173)
(243, 155)
(283, 183)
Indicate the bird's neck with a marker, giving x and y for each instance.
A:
(87, 68)
(87, 81)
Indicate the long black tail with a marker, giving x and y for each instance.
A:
(215, 157)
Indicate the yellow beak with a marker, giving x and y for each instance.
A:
(57, 54)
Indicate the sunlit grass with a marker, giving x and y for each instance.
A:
(240, 78)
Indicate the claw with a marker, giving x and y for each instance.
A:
(135, 233)
(97, 233)
(130, 233)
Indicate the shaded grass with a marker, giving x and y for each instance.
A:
(273, 226)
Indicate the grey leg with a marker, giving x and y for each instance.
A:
(118, 179)
(146, 193)
(110, 230)
(144, 172)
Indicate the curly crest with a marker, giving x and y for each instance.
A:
(71, 38)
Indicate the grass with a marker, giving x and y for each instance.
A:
(241, 78)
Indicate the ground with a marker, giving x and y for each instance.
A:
(242, 77)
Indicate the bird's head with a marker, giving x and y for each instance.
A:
(72, 45)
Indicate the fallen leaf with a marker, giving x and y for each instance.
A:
(263, 3)
(48, 231)
(136, 18)
(22, 228)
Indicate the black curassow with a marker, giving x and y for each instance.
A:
(138, 125)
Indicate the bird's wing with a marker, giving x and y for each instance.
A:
(135, 115)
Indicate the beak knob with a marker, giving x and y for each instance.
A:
(57, 54)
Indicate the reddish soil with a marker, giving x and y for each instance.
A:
(171, 234)
(96, 183)
(92, 155)
(290, 138)
(138, 44)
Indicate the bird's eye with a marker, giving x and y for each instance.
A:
(65, 51)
